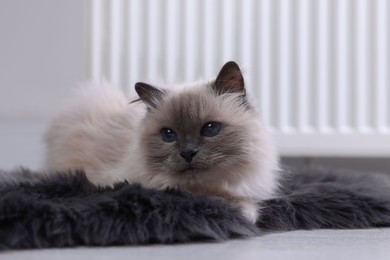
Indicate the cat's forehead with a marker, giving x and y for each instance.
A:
(192, 106)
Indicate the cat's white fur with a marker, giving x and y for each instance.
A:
(99, 131)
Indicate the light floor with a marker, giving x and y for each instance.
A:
(313, 245)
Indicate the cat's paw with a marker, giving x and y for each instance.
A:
(249, 209)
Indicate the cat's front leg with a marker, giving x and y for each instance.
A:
(249, 208)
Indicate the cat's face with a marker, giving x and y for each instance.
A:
(191, 133)
(206, 132)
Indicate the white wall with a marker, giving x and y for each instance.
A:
(42, 56)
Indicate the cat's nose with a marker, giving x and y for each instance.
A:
(188, 154)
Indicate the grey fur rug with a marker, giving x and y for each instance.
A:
(63, 210)
(317, 198)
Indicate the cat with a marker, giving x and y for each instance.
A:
(206, 138)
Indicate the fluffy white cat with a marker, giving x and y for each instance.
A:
(205, 138)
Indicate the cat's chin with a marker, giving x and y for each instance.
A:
(191, 170)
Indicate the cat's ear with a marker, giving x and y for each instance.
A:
(150, 95)
(230, 79)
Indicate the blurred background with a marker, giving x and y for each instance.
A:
(318, 69)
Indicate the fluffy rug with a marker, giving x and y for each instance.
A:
(317, 198)
(63, 210)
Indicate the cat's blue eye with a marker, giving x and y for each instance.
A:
(168, 135)
(210, 129)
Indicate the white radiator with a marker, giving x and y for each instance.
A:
(319, 68)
